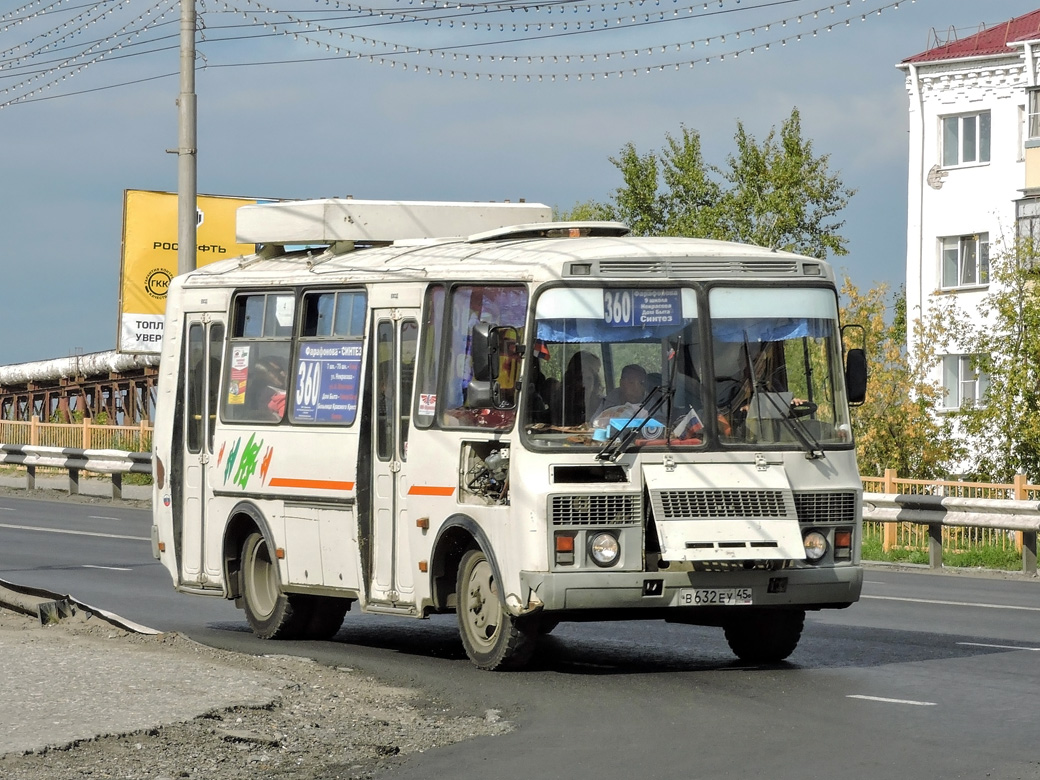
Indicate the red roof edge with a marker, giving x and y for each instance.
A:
(992, 40)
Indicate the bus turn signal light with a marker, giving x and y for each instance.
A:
(564, 542)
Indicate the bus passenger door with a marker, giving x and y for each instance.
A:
(200, 545)
(396, 338)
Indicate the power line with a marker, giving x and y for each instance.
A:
(453, 39)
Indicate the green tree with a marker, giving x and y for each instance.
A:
(776, 193)
(1002, 428)
(895, 427)
(782, 195)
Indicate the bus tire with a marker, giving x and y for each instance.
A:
(493, 638)
(326, 617)
(765, 637)
(271, 613)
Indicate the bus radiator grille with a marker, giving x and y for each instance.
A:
(586, 509)
(700, 504)
(826, 507)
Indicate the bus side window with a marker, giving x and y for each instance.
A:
(384, 371)
(470, 305)
(409, 341)
(425, 405)
(256, 388)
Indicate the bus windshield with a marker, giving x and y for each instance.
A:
(765, 371)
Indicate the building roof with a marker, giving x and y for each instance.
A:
(992, 40)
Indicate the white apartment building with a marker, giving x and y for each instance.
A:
(974, 171)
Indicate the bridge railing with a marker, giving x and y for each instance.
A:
(73, 460)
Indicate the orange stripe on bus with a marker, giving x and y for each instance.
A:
(314, 484)
(430, 490)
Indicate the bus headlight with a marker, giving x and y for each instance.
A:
(815, 545)
(604, 548)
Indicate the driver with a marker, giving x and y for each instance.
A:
(630, 392)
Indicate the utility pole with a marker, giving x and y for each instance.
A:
(187, 162)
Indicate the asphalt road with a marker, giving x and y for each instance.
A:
(929, 676)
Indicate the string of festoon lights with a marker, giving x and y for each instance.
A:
(788, 31)
(73, 65)
(331, 27)
(65, 30)
(428, 12)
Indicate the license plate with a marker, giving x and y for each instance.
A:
(714, 597)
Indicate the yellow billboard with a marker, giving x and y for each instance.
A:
(149, 257)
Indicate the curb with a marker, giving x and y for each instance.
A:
(52, 607)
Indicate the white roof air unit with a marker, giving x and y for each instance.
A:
(344, 219)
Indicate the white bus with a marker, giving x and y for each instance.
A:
(524, 423)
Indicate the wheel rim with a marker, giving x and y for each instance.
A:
(483, 609)
(261, 580)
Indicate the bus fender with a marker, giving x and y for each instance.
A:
(456, 535)
(244, 517)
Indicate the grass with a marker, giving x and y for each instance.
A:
(982, 556)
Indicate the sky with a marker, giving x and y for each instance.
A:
(317, 123)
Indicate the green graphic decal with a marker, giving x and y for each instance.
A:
(249, 461)
(232, 456)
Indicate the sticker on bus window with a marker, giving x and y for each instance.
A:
(239, 375)
(638, 308)
(427, 404)
(327, 382)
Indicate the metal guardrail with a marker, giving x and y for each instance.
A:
(935, 512)
(939, 511)
(113, 462)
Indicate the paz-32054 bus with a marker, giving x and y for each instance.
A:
(469, 408)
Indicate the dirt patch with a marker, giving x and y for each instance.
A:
(333, 723)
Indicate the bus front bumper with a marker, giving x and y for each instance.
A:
(800, 588)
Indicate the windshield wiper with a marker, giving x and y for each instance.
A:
(796, 427)
(619, 440)
(793, 424)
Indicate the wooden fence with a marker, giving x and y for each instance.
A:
(85, 435)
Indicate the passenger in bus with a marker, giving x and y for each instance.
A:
(541, 391)
(273, 376)
(581, 390)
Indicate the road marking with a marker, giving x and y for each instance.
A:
(1000, 647)
(108, 568)
(102, 517)
(953, 603)
(75, 533)
(892, 701)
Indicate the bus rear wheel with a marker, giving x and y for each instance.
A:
(766, 637)
(493, 638)
(271, 613)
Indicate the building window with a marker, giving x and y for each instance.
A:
(965, 139)
(963, 384)
(1033, 118)
(1027, 221)
(965, 261)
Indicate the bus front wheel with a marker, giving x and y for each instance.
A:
(765, 637)
(271, 613)
(493, 638)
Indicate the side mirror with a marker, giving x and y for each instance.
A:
(855, 365)
(856, 376)
(480, 341)
(504, 362)
(496, 355)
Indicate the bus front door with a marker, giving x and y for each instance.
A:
(200, 546)
(396, 338)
